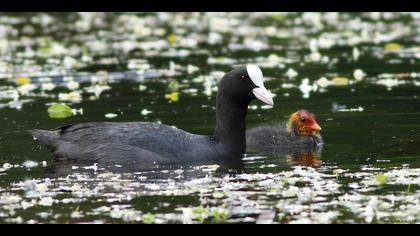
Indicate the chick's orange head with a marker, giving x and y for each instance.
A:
(303, 122)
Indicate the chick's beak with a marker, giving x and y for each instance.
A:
(264, 95)
(315, 127)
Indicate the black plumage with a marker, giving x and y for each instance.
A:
(142, 142)
(266, 138)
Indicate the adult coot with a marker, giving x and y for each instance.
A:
(300, 135)
(143, 142)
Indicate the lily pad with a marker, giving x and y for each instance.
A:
(60, 111)
(148, 218)
(381, 179)
(278, 16)
(173, 86)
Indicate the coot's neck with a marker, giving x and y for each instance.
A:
(230, 128)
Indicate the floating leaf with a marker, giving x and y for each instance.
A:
(278, 16)
(381, 179)
(200, 213)
(200, 210)
(23, 80)
(340, 81)
(59, 111)
(220, 214)
(173, 97)
(173, 86)
(148, 218)
(172, 38)
(45, 50)
(392, 46)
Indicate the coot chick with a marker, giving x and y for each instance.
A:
(144, 142)
(300, 135)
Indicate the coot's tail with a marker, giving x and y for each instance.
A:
(48, 138)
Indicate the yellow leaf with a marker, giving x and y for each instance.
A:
(23, 80)
(173, 97)
(172, 38)
(340, 81)
(381, 179)
(392, 46)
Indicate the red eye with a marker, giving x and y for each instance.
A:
(243, 77)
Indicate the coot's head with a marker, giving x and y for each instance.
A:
(303, 122)
(244, 84)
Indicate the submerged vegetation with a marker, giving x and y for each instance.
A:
(357, 71)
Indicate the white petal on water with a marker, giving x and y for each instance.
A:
(46, 201)
(142, 88)
(30, 164)
(76, 215)
(187, 215)
(390, 83)
(358, 74)
(291, 74)
(253, 107)
(110, 115)
(146, 112)
(47, 86)
(288, 86)
(77, 111)
(323, 82)
(192, 69)
(93, 167)
(266, 107)
(25, 89)
(315, 57)
(97, 89)
(218, 24)
(306, 88)
(72, 85)
(71, 97)
(7, 166)
(356, 54)
(214, 38)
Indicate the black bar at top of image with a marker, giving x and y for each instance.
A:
(207, 5)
